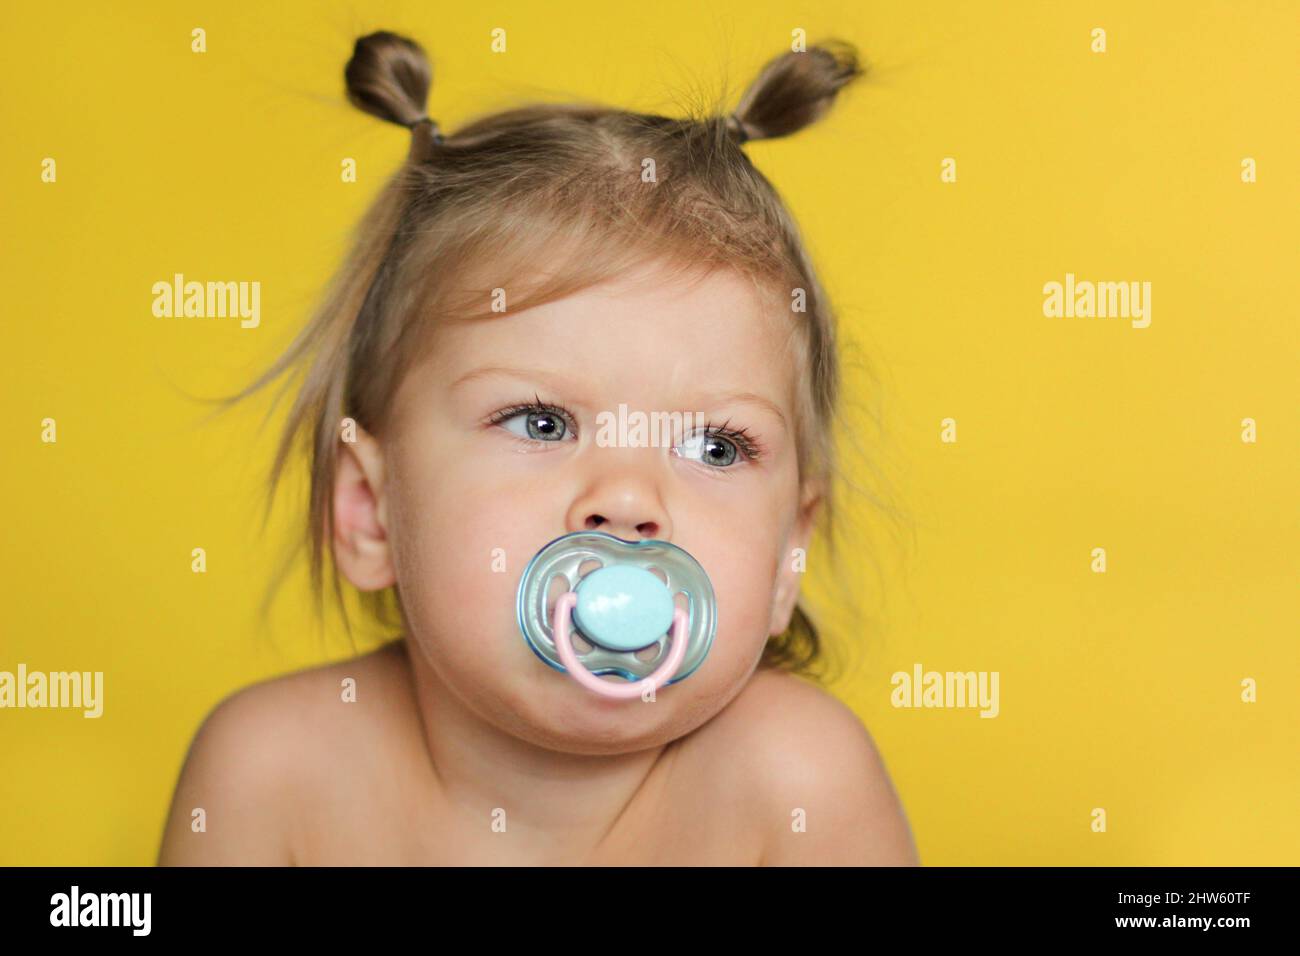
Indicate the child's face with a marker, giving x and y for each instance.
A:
(429, 506)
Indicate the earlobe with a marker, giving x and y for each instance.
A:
(787, 592)
(790, 571)
(361, 545)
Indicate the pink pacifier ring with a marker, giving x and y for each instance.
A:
(569, 657)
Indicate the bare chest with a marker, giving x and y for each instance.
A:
(687, 819)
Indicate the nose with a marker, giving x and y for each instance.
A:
(622, 499)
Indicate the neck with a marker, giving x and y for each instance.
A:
(551, 800)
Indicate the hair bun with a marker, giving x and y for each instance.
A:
(389, 77)
(795, 89)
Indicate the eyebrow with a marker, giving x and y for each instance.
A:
(531, 374)
(722, 398)
(747, 398)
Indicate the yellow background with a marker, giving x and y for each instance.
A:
(1118, 690)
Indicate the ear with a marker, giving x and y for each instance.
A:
(790, 570)
(361, 546)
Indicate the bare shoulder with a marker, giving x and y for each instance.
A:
(819, 786)
(257, 750)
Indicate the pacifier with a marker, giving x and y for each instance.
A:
(622, 608)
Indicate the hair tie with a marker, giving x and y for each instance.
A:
(437, 134)
(738, 128)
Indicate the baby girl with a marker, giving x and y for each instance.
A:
(516, 283)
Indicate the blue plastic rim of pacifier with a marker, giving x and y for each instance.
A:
(624, 609)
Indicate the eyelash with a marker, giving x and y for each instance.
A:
(746, 443)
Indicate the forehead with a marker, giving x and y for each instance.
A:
(652, 331)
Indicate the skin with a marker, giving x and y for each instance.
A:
(458, 724)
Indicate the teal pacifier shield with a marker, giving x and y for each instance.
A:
(627, 594)
(622, 607)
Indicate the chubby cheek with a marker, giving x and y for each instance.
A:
(459, 550)
(743, 576)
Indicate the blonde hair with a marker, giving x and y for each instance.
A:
(559, 184)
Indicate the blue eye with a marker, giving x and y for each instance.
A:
(713, 450)
(717, 447)
(541, 423)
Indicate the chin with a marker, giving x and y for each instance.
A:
(562, 716)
